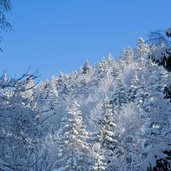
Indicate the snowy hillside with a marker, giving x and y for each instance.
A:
(113, 116)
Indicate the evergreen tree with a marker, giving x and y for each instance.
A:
(127, 56)
(119, 95)
(99, 158)
(141, 52)
(106, 136)
(74, 149)
(86, 67)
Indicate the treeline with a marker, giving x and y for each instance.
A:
(114, 115)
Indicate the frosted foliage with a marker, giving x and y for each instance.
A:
(106, 135)
(142, 49)
(155, 153)
(159, 53)
(29, 87)
(112, 116)
(73, 137)
(99, 158)
(127, 55)
(18, 130)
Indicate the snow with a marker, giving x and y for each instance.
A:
(160, 53)
(155, 153)
(112, 115)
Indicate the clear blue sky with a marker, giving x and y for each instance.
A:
(58, 35)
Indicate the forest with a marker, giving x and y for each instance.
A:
(111, 116)
(115, 115)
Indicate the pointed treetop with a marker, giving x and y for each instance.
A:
(141, 40)
(110, 57)
(86, 67)
(127, 54)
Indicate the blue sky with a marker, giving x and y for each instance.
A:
(58, 35)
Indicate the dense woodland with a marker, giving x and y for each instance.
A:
(112, 116)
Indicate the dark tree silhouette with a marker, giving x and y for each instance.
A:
(162, 164)
(5, 6)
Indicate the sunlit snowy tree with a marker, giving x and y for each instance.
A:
(74, 149)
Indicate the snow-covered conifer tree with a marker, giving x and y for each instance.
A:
(74, 149)
(142, 52)
(119, 94)
(99, 158)
(106, 136)
(127, 55)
